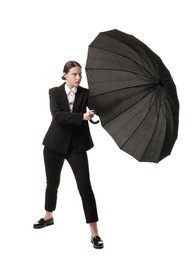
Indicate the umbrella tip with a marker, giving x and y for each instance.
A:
(163, 81)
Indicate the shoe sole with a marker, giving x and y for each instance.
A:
(97, 247)
(44, 226)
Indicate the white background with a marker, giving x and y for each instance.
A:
(146, 210)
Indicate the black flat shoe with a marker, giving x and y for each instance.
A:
(43, 223)
(97, 242)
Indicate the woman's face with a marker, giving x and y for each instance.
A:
(73, 77)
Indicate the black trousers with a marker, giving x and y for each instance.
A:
(79, 163)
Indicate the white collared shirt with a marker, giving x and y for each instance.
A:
(70, 96)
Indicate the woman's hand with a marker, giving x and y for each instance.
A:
(88, 115)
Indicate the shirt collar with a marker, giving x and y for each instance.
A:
(67, 89)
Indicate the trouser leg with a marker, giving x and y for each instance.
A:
(53, 166)
(80, 167)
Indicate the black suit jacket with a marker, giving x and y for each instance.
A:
(68, 128)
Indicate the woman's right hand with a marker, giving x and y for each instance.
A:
(88, 115)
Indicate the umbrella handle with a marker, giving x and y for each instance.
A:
(94, 122)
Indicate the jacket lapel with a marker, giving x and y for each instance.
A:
(63, 98)
(78, 99)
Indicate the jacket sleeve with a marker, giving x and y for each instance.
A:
(61, 116)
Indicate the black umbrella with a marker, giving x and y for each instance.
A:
(134, 95)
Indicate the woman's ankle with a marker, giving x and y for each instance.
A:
(48, 215)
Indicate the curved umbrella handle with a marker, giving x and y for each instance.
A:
(94, 122)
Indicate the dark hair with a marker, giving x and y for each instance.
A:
(69, 65)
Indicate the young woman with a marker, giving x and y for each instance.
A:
(68, 137)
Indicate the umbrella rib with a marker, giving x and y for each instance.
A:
(116, 90)
(140, 124)
(156, 124)
(129, 107)
(135, 73)
(169, 97)
(139, 65)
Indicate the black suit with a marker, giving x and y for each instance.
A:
(68, 137)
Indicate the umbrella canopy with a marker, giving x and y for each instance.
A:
(133, 94)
